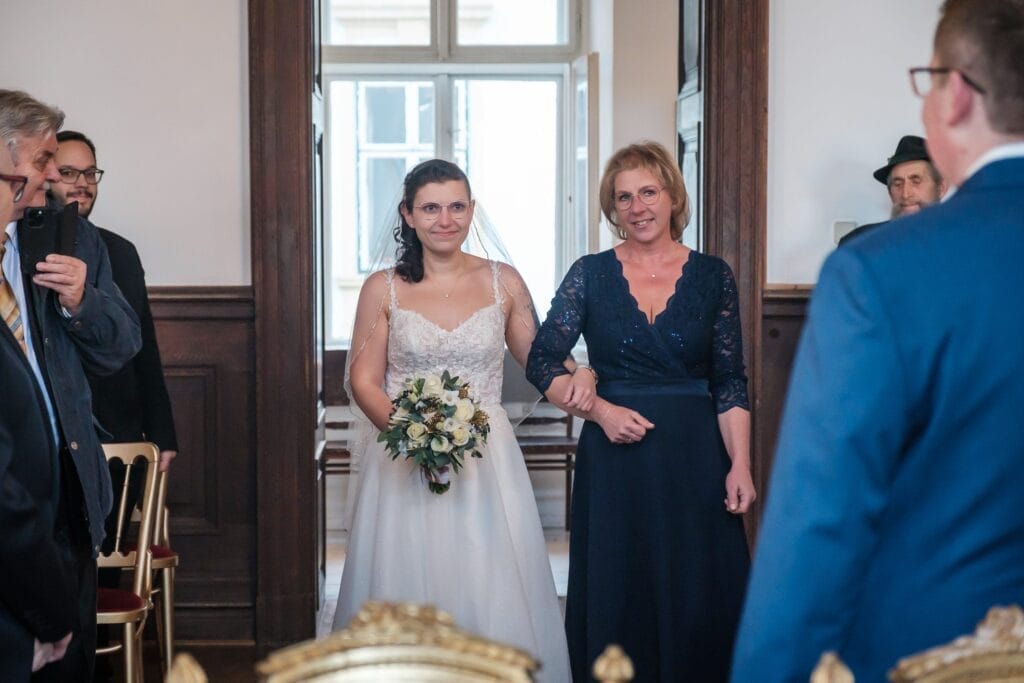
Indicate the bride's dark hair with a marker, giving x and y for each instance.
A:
(409, 264)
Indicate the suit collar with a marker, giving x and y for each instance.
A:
(1006, 171)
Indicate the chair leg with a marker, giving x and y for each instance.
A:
(131, 675)
(167, 615)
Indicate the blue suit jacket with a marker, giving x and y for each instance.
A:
(895, 515)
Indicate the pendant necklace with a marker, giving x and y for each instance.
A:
(458, 277)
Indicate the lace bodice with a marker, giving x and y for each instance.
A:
(697, 336)
(474, 350)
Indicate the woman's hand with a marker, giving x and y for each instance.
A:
(582, 389)
(739, 490)
(622, 425)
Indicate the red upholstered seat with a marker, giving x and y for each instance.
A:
(159, 552)
(117, 600)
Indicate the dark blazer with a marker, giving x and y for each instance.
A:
(36, 599)
(132, 404)
(99, 339)
(859, 230)
(894, 518)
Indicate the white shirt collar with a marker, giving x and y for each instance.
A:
(1010, 150)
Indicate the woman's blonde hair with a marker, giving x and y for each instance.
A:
(655, 158)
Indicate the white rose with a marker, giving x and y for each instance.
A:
(432, 386)
(450, 424)
(440, 444)
(464, 410)
(416, 431)
(460, 435)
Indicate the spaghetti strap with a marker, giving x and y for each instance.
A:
(495, 283)
(389, 277)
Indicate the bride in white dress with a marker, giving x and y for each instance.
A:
(476, 551)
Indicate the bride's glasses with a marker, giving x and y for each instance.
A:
(432, 210)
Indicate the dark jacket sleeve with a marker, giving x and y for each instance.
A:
(105, 330)
(34, 585)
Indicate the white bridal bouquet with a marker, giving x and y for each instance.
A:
(435, 424)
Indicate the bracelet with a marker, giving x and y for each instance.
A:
(587, 367)
(607, 409)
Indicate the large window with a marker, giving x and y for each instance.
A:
(509, 116)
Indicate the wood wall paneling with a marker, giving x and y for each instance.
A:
(207, 348)
(783, 313)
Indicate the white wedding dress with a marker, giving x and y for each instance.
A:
(476, 551)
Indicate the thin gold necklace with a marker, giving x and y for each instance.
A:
(462, 271)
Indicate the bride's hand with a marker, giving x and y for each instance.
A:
(582, 389)
(623, 425)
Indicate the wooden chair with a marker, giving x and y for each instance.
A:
(550, 452)
(129, 608)
(399, 642)
(337, 458)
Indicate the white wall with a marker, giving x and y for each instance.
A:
(161, 88)
(839, 100)
(638, 46)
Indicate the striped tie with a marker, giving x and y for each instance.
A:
(8, 303)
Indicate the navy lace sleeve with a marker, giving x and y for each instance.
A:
(728, 379)
(560, 331)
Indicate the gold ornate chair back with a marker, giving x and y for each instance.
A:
(613, 666)
(399, 643)
(831, 669)
(128, 608)
(994, 653)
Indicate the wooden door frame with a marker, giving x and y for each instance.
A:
(736, 176)
(280, 123)
(280, 94)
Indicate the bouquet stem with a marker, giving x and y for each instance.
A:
(439, 480)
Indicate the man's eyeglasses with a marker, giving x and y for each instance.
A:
(70, 175)
(18, 183)
(647, 195)
(921, 78)
(432, 210)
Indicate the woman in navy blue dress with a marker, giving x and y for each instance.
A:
(658, 558)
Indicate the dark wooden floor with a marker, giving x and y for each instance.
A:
(227, 663)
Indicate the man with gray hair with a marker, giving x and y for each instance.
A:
(73, 318)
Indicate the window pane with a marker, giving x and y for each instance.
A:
(512, 22)
(426, 118)
(377, 131)
(385, 113)
(515, 176)
(378, 22)
(383, 181)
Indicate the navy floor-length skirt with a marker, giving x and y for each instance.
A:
(657, 564)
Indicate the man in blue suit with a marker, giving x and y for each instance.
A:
(894, 516)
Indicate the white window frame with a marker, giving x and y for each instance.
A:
(444, 61)
(444, 45)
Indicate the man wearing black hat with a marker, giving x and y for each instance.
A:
(911, 178)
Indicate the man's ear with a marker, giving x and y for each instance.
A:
(961, 99)
(943, 188)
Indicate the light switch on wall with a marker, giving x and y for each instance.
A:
(841, 228)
